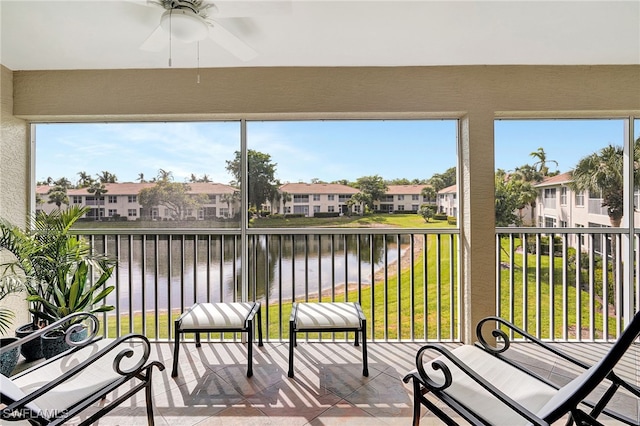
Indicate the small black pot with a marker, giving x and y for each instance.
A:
(30, 350)
(8, 360)
(53, 342)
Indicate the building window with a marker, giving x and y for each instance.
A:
(580, 199)
(563, 196)
(415, 197)
(132, 212)
(113, 199)
(563, 224)
(415, 207)
(112, 212)
(331, 197)
(316, 209)
(549, 222)
(400, 197)
(301, 198)
(76, 199)
(400, 207)
(154, 213)
(549, 199)
(343, 198)
(331, 209)
(132, 198)
(316, 197)
(212, 198)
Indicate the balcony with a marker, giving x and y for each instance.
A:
(163, 271)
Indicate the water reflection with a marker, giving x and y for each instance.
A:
(169, 272)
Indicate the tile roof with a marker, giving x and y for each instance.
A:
(132, 188)
(318, 188)
(556, 180)
(405, 189)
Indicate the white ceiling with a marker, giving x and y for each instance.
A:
(102, 34)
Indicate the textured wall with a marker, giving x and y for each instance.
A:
(476, 94)
(14, 162)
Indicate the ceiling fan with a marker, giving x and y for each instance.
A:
(191, 21)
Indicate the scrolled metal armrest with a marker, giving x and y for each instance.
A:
(140, 365)
(500, 333)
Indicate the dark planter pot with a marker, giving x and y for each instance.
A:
(30, 350)
(53, 343)
(8, 360)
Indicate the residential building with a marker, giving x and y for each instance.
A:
(121, 200)
(447, 201)
(401, 198)
(311, 198)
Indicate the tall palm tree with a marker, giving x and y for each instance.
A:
(85, 179)
(98, 189)
(429, 193)
(286, 197)
(530, 175)
(107, 177)
(141, 178)
(58, 196)
(602, 172)
(542, 161)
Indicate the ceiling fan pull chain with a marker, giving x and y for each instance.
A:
(170, 13)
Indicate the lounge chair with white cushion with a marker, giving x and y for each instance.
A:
(63, 387)
(485, 387)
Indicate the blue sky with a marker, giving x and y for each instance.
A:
(303, 150)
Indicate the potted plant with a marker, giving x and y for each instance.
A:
(42, 255)
(9, 358)
(74, 292)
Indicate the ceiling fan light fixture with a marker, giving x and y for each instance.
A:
(184, 25)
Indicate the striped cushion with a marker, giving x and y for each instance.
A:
(216, 315)
(327, 315)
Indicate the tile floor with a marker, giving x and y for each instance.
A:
(328, 387)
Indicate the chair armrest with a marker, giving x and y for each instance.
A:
(438, 364)
(500, 333)
(141, 364)
(75, 318)
(294, 309)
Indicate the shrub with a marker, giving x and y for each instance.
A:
(326, 214)
(440, 216)
(452, 220)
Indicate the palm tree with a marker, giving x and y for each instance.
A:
(165, 175)
(141, 178)
(602, 173)
(429, 193)
(85, 179)
(58, 196)
(530, 175)
(98, 189)
(107, 177)
(286, 197)
(542, 161)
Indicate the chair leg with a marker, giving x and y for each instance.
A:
(149, 398)
(250, 350)
(198, 343)
(365, 362)
(176, 349)
(259, 328)
(292, 340)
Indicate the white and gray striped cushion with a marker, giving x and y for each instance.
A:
(216, 315)
(327, 315)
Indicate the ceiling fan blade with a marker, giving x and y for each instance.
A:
(230, 42)
(247, 8)
(157, 41)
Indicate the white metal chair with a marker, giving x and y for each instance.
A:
(61, 388)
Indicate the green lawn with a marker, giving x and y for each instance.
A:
(409, 220)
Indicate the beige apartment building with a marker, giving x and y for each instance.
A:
(121, 200)
(399, 198)
(447, 201)
(311, 198)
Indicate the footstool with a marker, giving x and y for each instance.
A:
(327, 317)
(218, 317)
